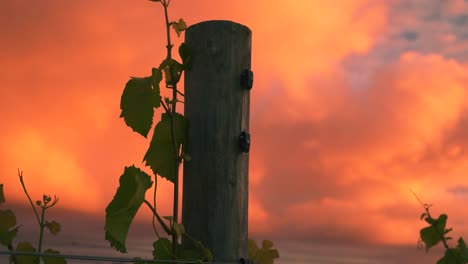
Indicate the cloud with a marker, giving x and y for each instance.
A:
(458, 189)
(47, 169)
(351, 107)
(368, 151)
(311, 37)
(440, 27)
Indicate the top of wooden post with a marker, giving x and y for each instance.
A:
(218, 23)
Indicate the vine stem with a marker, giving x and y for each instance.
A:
(168, 29)
(13, 257)
(175, 209)
(160, 220)
(154, 205)
(41, 230)
(20, 174)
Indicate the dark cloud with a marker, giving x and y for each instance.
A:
(458, 190)
(410, 35)
(440, 27)
(460, 20)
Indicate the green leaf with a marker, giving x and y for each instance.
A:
(7, 222)
(451, 256)
(264, 255)
(122, 209)
(53, 227)
(463, 249)
(162, 249)
(7, 219)
(179, 229)
(2, 196)
(431, 235)
(267, 244)
(26, 247)
(137, 102)
(51, 260)
(172, 71)
(160, 155)
(252, 249)
(185, 54)
(207, 254)
(179, 26)
(7, 236)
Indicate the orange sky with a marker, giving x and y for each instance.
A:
(352, 106)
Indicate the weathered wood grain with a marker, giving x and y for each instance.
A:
(215, 181)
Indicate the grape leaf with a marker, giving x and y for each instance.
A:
(2, 196)
(137, 102)
(451, 256)
(264, 255)
(179, 229)
(162, 249)
(185, 54)
(7, 221)
(52, 260)
(252, 249)
(160, 155)
(7, 236)
(122, 209)
(26, 247)
(431, 235)
(172, 71)
(179, 26)
(267, 244)
(53, 227)
(204, 253)
(463, 248)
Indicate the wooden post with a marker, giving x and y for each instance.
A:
(215, 183)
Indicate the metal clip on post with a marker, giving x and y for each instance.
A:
(246, 80)
(244, 142)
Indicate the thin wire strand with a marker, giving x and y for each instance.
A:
(99, 258)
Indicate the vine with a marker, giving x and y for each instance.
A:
(437, 232)
(140, 98)
(9, 229)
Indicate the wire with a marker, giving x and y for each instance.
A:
(99, 258)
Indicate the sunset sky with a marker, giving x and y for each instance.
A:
(355, 103)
